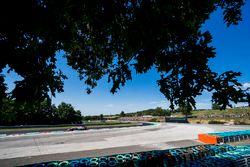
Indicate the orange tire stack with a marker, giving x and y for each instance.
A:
(205, 138)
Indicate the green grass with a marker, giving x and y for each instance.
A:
(34, 129)
(222, 112)
(202, 116)
(117, 125)
(217, 112)
(104, 123)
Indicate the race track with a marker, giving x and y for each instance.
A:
(19, 150)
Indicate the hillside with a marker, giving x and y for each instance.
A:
(154, 112)
(228, 116)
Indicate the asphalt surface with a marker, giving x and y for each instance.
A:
(21, 150)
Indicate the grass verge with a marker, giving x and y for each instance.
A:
(63, 128)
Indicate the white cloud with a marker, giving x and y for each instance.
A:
(246, 85)
(240, 104)
(110, 105)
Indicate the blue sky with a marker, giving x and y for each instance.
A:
(232, 46)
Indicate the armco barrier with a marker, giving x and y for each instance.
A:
(159, 158)
(224, 137)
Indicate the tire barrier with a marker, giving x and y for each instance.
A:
(224, 137)
(240, 157)
(188, 156)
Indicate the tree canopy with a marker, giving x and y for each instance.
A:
(185, 110)
(112, 38)
(44, 113)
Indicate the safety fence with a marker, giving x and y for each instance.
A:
(224, 137)
(202, 155)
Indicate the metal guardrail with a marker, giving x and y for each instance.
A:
(176, 119)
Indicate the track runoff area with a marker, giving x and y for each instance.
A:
(18, 150)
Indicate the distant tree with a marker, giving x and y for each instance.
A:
(55, 118)
(122, 114)
(101, 117)
(12, 113)
(78, 116)
(67, 113)
(185, 109)
(155, 112)
(112, 38)
(216, 106)
(160, 112)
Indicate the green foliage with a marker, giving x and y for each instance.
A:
(101, 117)
(185, 109)
(112, 38)
(67, 114)
(122, 114)
(7, 114)
(228, 90)
(43, 113)
(215, 106)
(215, 122)
(88, 117)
